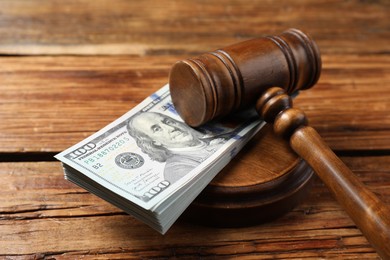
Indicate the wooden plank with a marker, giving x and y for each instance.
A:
(150, 27)
(42, 215)
(49, 98)
(350, 105)
(50, 103)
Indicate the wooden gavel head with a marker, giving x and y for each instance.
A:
(223, 81)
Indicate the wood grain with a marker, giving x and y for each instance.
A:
(368, 212)
(350, 103)
(42, 215)
(48, 98)
(69, 89)
(172, 27)
(50, 103)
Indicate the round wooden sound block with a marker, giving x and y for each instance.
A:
(264, 181)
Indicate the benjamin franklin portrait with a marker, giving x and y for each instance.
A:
(167, 140)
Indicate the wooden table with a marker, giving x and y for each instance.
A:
(68, 68)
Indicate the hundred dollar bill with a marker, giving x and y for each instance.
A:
(150, 163)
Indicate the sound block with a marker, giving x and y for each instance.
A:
(264, 181)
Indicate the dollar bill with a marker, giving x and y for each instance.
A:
(150, 163)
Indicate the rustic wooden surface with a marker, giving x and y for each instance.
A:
(67, 68)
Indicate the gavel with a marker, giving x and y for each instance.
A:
(263, 72)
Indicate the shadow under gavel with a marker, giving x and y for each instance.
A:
(218, 83)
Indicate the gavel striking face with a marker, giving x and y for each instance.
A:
(218, 83)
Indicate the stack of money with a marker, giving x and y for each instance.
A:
(152, 165)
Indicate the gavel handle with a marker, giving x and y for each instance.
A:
(369, 213)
